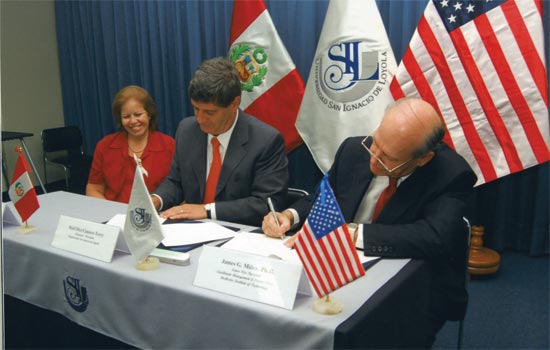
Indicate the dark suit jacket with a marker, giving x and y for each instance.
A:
(254, 167)
(423, 219)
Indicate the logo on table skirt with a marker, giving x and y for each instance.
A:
(75, 294)
(140, 219)
(19, 189)
(250, 63)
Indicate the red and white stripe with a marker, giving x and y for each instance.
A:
(487, 79)
(330, 262)
(21, 191)
(277, 100)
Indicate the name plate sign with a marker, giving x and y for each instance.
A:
(254, 277)
(9, 215)
(86, 238)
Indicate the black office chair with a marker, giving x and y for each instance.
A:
(293, 195)
(62, 147)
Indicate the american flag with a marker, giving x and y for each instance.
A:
(481, 65)
(325, 246)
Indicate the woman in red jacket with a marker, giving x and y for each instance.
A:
(113, 168)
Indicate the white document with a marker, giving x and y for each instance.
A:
(192, 233)
(119, 220)
(253, 277)
(86, 238)
(359, 241)
(261, 244)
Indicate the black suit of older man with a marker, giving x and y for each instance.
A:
(423, 219)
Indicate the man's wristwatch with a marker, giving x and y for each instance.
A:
(208, 208)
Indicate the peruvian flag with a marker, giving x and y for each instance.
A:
(21, 191)
(272, 87)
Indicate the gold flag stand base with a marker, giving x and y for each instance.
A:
(148, 264)
(26, 229)
(327, 306)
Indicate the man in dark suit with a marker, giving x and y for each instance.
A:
(227, 163)
(423, 219)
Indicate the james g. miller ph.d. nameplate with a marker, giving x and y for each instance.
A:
(254, 277)
(86, 238)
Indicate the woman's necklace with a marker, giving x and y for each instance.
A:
(136, 152)
(141, 150)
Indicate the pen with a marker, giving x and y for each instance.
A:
(272, 208)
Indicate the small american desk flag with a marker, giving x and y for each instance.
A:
(325, 246)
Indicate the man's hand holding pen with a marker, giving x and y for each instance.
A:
(270, 227)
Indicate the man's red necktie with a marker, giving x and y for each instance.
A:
(384, 198)
(214, 174)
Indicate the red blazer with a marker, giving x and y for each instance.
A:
(116, 169)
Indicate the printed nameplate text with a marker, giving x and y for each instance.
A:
(86, 238)
(254, 277)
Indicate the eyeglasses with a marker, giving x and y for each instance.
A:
(370, 139)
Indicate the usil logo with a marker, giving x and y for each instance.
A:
(349, 75)
(75, 294)
(251, 64)
(140, 219)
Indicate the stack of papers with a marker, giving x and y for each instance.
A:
(260, 244)
(184, 233)
(192, 233)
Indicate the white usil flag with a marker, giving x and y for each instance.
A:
(142, 229)
(348, 86)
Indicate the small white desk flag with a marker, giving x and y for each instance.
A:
(142, 229)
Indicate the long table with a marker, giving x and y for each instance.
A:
(162, 309)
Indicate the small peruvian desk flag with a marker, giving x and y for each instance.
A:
(325, 246)
(21, 191)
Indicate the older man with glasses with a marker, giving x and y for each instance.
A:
(408, 192)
